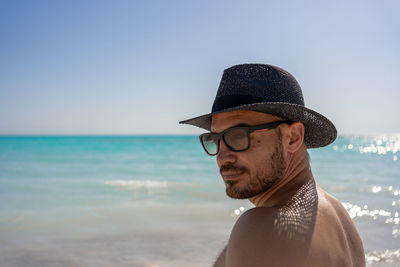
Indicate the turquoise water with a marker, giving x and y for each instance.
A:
(159, 200)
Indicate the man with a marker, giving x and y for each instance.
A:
(260, 133)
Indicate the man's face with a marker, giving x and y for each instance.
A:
(251, 172)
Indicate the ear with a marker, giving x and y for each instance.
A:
(295, 135)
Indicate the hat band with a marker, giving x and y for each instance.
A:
(231, 101)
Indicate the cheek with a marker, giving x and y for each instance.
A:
(258, 146)
(248, 159)
(259, 153)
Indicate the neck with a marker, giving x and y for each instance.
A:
(297, 173)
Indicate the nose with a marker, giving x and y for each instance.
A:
(225, 155)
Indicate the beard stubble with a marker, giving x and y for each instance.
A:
(264, 178)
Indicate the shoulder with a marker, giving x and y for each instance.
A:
(332, 215)
(331, 208)
(255, 241)
(334, 225)
(256, 217)
(253, 227)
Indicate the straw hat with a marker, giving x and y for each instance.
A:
(267, 89)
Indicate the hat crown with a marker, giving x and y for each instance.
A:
(256, 83)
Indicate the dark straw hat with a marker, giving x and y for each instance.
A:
(267, 89)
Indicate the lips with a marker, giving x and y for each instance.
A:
(230, 172)
(230, 176)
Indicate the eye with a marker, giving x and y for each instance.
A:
(210, 143)
(236, 138)
(236, 133)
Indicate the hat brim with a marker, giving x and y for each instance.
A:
(319, 131)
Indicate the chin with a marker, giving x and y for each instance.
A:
(236, 192)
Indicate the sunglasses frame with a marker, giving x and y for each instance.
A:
(249, 130)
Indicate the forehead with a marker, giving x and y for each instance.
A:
(226, 120)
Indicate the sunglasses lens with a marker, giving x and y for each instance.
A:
(210, 143)
(237, 139)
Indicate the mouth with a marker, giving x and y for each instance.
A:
(231, 176)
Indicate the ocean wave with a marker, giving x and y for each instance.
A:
(137, 184)
(382, 256)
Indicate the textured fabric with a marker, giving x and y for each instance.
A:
(267, 89)
(230, 101)
(270, 83)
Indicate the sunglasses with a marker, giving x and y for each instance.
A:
(236, 138)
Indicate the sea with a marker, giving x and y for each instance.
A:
(160, 201)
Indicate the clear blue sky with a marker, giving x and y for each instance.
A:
(138, 67)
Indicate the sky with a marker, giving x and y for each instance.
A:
(139, 67)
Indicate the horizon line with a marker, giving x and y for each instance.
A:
(162, 134)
